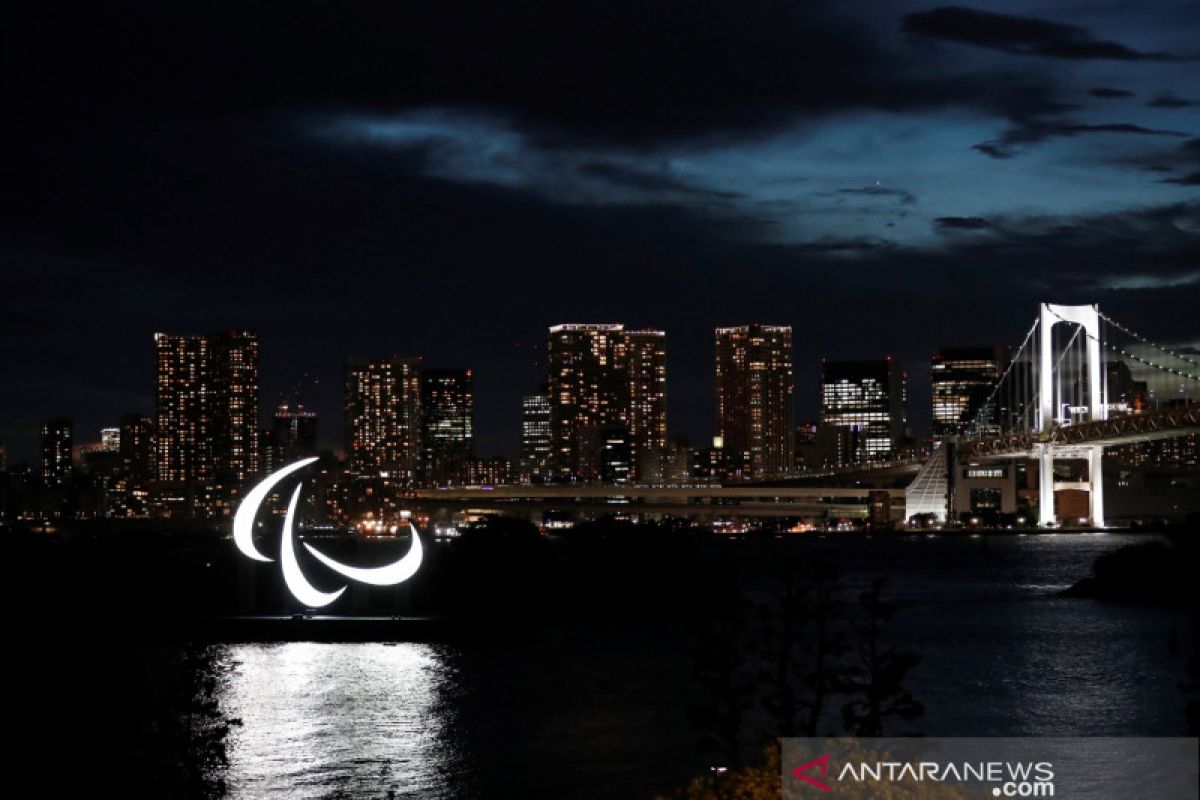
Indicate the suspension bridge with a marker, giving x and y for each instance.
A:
(1080, 381)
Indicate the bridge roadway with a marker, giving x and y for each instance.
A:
(1065, 440)
(823, 501)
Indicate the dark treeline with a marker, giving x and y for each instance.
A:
(148, 575)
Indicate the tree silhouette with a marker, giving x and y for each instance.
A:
(804, 643)
(727, 688)
(876, 683)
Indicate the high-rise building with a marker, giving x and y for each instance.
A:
(447, 425)
(489, 471)
(588, 393)
(137, 448)
(206, 419)
(616, 459)
(646, 356)
(383, 418)
(235, 360)
(603, 377)
(182, 420)
(755, 385)
(295, 433)
(535, 438)
(962, 379)
(868, 399)
(1125, 394)
(56, 451)
(110, 439)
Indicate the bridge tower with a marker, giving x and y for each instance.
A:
(1088, 318)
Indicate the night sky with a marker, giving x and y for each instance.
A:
(448, 179)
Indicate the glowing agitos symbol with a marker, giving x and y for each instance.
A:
(298, 585)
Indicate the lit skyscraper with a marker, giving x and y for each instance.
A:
(56, 451)
(603, 377)
(535, 438)
(447, 425)
(207, 410)
(235, 359)
(616, 459)
(589, 391)
(110, 439)
(646, 356)
(962, 378)
(183, 443)
(137, 448)
(755, 386)
(295, 433)
(867, 399)
(383, 418)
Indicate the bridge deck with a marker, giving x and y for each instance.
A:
(1108, 433)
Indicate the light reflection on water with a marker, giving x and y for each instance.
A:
(358, 720)
(598, 709)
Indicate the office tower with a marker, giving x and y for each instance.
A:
(616, 458)
(110, 439)
(137, 448)
(234, 414)
(294, 434)
(588, 392)
(962, 379)
(867, 399)
(100, 485)
(603, 377)
(182, 420)
(489, 471)
(447, 425)
(646, 356)
(206, 418)
(270, 456)
(383, 418)
(56, 451)
(755, 385)
(1125, 395)
(535, 437)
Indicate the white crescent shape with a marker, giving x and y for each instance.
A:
(299, 586)
(388, 575)
(243, 521)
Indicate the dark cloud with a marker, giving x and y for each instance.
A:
(644, 180)
(1191, 179)
(1184, 160)
(1108, 92)
(629, 70)
(1168, 100)
(905, 197)
(962, 223)
(1019, 35)
(1173, 161)
(1035, 130)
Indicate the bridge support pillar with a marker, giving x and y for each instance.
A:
(1096, 485)
(1046, 518)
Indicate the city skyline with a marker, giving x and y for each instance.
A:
(332, 428)
(22, 443)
